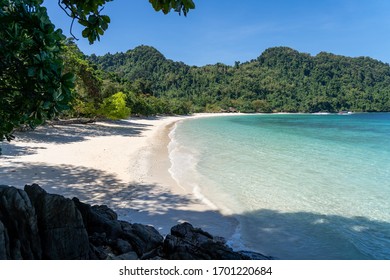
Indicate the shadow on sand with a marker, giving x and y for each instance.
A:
(132, 202)
(66, 134)
(298, 235)
(69, 133)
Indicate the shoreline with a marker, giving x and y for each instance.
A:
(123, 164)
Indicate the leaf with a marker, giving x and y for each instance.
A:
(92, 19)
(40, 74)
(155, 4)
(106, 19)
(166, 7)
(46, 105)
(31, 71)
(86, 32)
(68, 80)
(104, 25)
(84, 22)
(56, 95)
(189, 4)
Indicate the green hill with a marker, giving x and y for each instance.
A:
(280, 79)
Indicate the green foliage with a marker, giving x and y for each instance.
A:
(139, 105)
(88, 90)
(83, 109)
(32, 84)
(146, 105)
(213, 108)
(37, 81)
(87, 13)
(281, 79)
(88, 82)
(261, 106)
(114, 107)
(178, 5)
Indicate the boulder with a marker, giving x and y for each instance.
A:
(38, 225)
(143, 238)
(3, 242)
(111, 236)
(62, 231)
(121, 246)
(19, 229)
(256, 256)
(188, 243)
(99, 219)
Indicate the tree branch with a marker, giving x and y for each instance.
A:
(73, 16)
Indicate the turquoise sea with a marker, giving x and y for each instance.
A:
(301, 186)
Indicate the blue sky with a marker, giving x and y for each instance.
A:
(240, 30)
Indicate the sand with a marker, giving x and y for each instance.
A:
(122, 164)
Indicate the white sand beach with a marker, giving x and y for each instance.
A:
(122, 164)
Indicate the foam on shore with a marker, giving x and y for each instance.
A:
(123, 164)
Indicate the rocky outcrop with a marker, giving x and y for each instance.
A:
(188, 243)
(3, 242)
(61, 227)
(37, 225)
(111, 238)
(19, 228)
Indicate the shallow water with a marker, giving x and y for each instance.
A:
(301, 186)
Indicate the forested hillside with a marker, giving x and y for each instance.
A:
(280, 79)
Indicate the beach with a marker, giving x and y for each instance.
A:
(122, 164)
(308, 200)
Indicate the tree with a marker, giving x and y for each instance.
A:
(88, 83)
(114, 107)
(33, 84)
(88, 13)
(281, 79)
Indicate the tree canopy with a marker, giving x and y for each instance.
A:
(88, 13)
(34, 83)
(280, 79)
(42, 74)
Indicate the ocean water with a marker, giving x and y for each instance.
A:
(301, 186)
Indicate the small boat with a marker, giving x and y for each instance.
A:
(345, 113)
(321, 113)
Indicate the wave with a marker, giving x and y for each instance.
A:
(183, 168)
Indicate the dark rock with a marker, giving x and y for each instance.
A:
(3, 242)
(256, 256)
(61, 226)
(121, 246)
(155, 254)
(19, 223)
(98, 252)
(122, 237)
(143, 238)
(38, 225)
(187, 231)
(188, 243)
(99, 219)
(104, 211)
(127, 256)
(98, 239)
